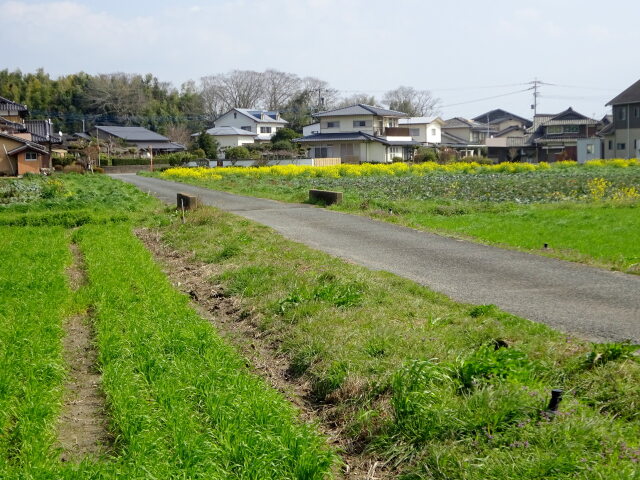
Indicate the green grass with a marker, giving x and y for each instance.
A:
(436, 388)
(34, 300)
(181, 403)
(520, 210)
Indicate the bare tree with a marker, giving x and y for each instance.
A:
(322, 96)
(279, 88)
(115, 93)
(179, 134)
(357, 98)
(413, 102)
(212, 96)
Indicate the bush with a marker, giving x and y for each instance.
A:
(116, 162)
(282, 145)
(397, 159)
(74, 168)
(176, 159)
(284, 134)
(238, 153)
(424, 154)
(477, 159)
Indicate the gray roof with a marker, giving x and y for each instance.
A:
(133, 134)
(630, 95)
(10, 105)
(352, 136)
(25, 143)
(41, 131)
(459, 122)
(361, 109)
(256, 115)
(222, 131)
(498, 115)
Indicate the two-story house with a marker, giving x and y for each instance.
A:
(261, 122)
(555, 137)
(622, 135)
(424, 130)
(24, 144)
(508, 134)
(360, 134)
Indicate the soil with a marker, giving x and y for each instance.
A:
(82, 429)
(240, 327)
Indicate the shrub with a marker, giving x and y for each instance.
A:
(397, 159)
(284, 134)
(477, 159)
(130, 161)
(283, 145)
(238, 153)
(424, 154)
(74, 168)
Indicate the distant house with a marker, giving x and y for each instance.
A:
(139, 137)
(261, 122)
(230, 136)
(508, 134)
(622, 135)
(25, 145)
(19, 155)
(360, 133)
(425, 130)
(469, 131)
(555, 136)
(499, 120)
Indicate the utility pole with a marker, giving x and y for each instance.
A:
(536, 83)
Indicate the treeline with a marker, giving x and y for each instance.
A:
(80, 100)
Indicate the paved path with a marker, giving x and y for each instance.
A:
(596, 304)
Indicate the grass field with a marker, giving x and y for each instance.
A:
(584, 213)
(430, 388)
(434, 388)
(180, 402)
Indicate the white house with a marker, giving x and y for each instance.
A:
(230, 136)
(360, 133)
(311, 129)
(263, 123)
(426, 130)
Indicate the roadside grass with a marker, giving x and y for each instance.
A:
(584, 214)
(181, 402)
(437, 388)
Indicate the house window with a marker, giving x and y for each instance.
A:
(433, 131)
(414, 132)
(622, 113)
(554, 130)
(359, 123)
(333, 124)
(31, 156)
(319, 152)
(610, 145)
(590, 148)
(235, 115)
(621, 146)
(247, 128)
(571, 129)
(265, 129)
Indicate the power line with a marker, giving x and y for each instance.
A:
(487, 98)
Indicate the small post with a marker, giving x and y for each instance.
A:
(554, 403)
(150, 158)
(546, 246)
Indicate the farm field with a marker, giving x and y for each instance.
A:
(177, 400)
(583, 213)
(409, 383)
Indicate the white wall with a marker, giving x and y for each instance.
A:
(311, 129)
(232, 140)
(240, 120)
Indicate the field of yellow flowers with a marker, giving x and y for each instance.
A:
(393, 169)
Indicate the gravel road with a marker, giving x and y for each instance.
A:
(595, 304)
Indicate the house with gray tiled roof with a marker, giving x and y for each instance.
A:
(230, 136)
(141, 138)
(360, 134)
(264, 123)
(426, 130)
(555, 137)
(622, 135)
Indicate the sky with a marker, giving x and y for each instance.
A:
(474, 56)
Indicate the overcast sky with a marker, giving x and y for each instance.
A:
(462, 51)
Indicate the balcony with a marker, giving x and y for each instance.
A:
(393, 132)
